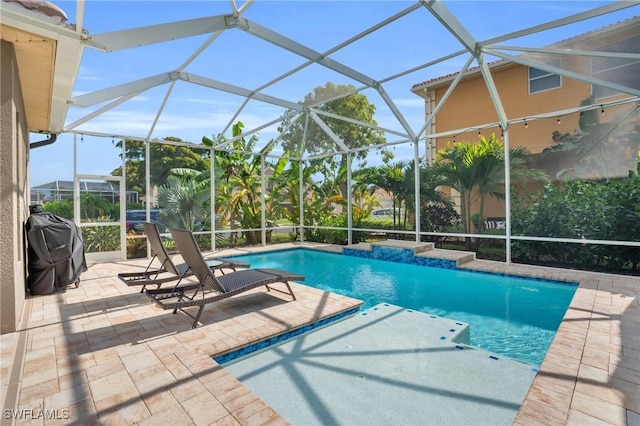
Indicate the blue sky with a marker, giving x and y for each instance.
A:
(240, 59)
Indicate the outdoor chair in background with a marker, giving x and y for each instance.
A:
(212, 288)
(169, 271)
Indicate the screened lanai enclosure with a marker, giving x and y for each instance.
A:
(510, 129)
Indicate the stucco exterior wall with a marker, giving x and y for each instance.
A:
(14, 151)
(470, 105)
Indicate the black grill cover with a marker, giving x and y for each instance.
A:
(56, 253)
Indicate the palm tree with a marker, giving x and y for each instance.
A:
(429, 192)
(476, 170)
(184, 203)
(391, 178)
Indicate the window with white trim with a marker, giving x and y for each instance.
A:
(540, 80)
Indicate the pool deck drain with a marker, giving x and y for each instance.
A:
(387, 365)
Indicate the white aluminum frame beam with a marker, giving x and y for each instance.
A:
(567, 52)
(493, 92)
(440, 103)
(396, 112)
(236, 90)
(358, 122)
(451, 23)
(329, 132)
(100, 111)
(564, 72)
(306, 52)
(591, 13)
(226, 142)
(109, 93)
(152, 34)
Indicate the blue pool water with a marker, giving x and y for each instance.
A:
(511, 316)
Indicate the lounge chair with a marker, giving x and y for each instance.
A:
(168, 271)
(211, 288)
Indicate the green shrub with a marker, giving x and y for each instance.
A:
(62, 208)
(579, 209)
(101, 238)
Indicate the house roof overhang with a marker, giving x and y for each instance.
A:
(48, 54)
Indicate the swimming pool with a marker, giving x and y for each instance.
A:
(512, 316)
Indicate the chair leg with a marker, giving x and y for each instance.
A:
(290, 291)
(197, 317)
(281, 291)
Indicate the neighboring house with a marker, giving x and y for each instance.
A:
(39, 60)
(527, 92)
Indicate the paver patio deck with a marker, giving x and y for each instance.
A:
(104, 354)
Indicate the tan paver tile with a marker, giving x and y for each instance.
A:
(593, 374)
(174, 416)
(122, 408)
(236, 402)
(204, 409)
(177, 368)
(276, 421)
(27, 414)
(548, 393)
(152, 378)
(113, 384)
(66, 397)
(82, 412)
(38, 391)
(187, 388)
(250, 410)
(158, 400)
(104, 369)
(608, 412)
(262, 417)
(602, 392)
(140, 360)
(72, 379)
(543, 413)
(632, 376)
(578, 418)
(226, 421)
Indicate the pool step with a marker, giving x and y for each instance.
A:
(436, 329)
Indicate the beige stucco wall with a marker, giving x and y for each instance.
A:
(14, 151)
(470, 105)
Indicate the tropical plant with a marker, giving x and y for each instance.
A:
(184, 202)
(101, 238)
(239, 184)
(63, 208)
(301, 135)
(476, 170)
(365, 200)
(391, 178)
(164, 158)
(581, 209)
